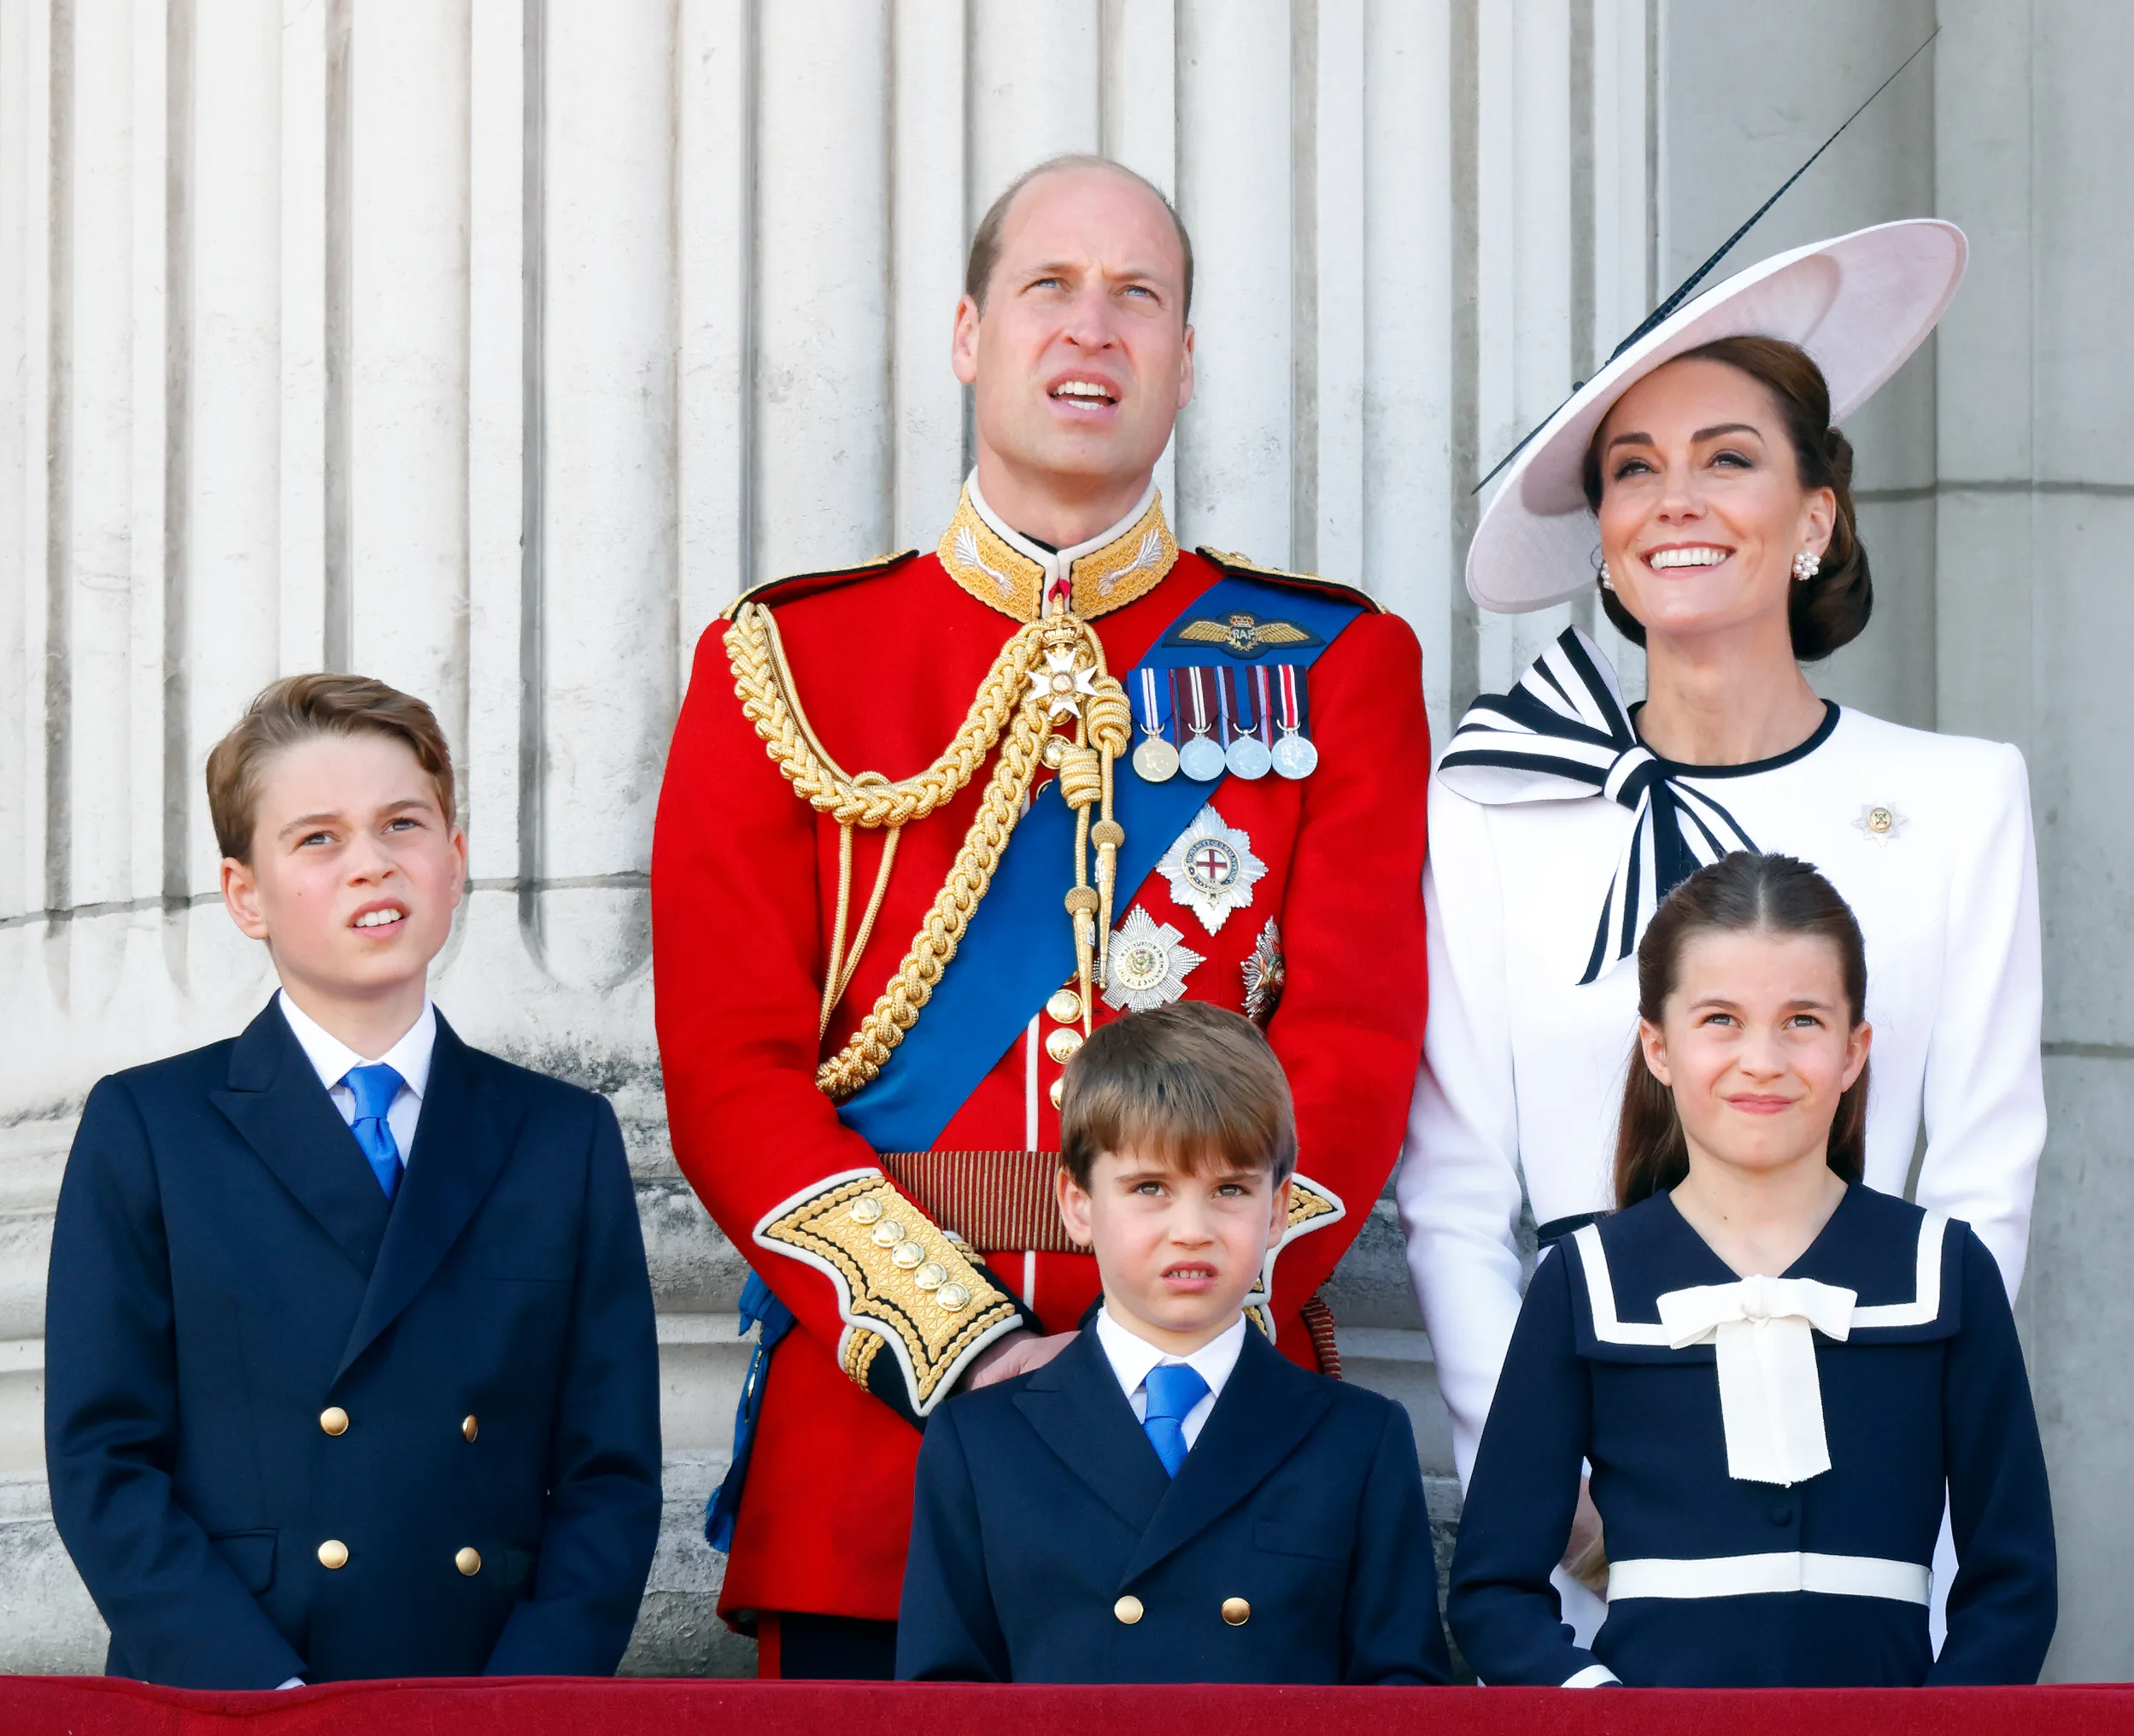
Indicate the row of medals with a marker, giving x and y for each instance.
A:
(1204, 759)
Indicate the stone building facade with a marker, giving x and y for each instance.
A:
(490, 346)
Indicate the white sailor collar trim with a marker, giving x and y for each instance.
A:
(1619, 1272)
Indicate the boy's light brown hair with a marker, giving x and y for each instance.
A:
(296, 708)
(1189, 1085)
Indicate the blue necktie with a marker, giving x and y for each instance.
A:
(375, 1086)
(1173, 1389)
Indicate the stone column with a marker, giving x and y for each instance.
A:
(493, 345)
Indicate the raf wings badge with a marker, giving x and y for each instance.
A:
(1242, 635)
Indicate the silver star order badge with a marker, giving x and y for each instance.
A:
(1212, 868)
(1265, 975)
(1149, 966)
(1060, 685)
(1879, 823)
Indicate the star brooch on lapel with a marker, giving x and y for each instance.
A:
(1149, 966)
(1879, 823)
(1212, 868)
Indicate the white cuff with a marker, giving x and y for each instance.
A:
(295, 1682)
(1595, 1675)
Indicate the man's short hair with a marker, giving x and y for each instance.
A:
(296, 709)
(1189, 1085)
(985, 244)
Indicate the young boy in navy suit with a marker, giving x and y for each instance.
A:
(350, 1366)
(1171, 1498)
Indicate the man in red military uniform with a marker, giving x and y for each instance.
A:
(923, 774)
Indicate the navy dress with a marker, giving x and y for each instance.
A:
(1717, 1582)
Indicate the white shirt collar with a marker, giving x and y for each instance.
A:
(1057, 564)
(331, 1059)
(1132, 1355)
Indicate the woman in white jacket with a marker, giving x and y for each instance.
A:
(1702, 466)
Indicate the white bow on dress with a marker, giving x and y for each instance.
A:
(1770, 1398)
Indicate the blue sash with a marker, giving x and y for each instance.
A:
(1019, 947)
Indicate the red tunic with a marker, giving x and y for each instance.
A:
(744, 889)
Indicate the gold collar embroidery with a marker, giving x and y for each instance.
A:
(1104, 575)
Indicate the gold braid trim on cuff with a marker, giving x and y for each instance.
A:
(902, 1279)
(861, 1348)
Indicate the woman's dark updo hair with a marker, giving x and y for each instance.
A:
(1745, 893)
(1831, 608)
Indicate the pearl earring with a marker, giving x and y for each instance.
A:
(1806, 564)
(1606, 581)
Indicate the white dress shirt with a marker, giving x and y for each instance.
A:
(1523, 1068)
(331, 1059)
(1132, 1355)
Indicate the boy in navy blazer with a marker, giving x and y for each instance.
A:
(350, 1366)
(1169, 1498)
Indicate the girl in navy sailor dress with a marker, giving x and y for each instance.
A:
(1773, 1369)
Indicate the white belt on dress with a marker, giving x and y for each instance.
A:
(1750, 1575)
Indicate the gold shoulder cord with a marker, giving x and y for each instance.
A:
(1050, 669)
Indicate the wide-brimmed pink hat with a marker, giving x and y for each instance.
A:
(1859, 305)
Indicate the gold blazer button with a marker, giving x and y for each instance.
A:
(334, 1420)
(1236, 1611)
(469, 1561)
(332, 1554)
(1128, 1609)
(470, 1428)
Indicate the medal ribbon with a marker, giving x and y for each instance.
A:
(1152, 718)
(1293, 710)
(1222, 706)
(1200, 693)
(1260, 707)
(1244, 716)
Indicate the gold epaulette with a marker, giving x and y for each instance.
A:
(798, 584)
(1312, 1206)
(1245, 566)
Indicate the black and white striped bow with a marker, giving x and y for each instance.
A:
(1564, 732)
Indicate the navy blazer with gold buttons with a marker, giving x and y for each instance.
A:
(257, 1368)
(1048, 1546)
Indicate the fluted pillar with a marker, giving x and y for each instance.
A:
(492, 346)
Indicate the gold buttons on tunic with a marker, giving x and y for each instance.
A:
(906, 1255)
(930, 1276)
(888, 1234)
(1059, 1091)
(332, 1554)
(952, 1298)
(470, 1428)
(334, 1420)
(1065, 1005)
(1128, 1609)
(469, 1561)
(1061, 1044)
(866, 1210)
(1236, 1611)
